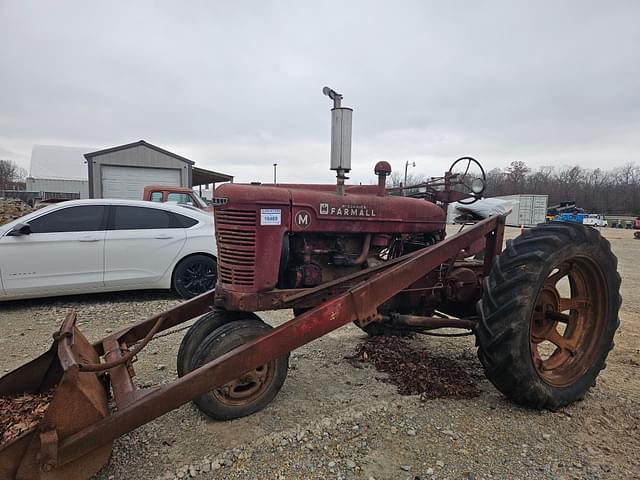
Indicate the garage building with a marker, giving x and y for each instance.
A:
(124, 171)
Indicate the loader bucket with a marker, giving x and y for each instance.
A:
(79, 400)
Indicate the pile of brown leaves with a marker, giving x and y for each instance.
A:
(12, 208)
(415, 371)
(21, 413)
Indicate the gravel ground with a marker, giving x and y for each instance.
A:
(336, 419)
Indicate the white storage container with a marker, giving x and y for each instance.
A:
(528, 210)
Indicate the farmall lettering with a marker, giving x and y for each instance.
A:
(347, 210)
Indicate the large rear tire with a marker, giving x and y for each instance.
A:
(549, 312)
(253, 390)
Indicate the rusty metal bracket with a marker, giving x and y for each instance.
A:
(48, 455)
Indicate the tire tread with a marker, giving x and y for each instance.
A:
(506, 304)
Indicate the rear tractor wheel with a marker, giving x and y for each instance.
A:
(251, 391)
(549, 312)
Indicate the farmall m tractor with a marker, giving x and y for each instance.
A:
(544, 311)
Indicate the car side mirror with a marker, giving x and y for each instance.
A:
(20, 229)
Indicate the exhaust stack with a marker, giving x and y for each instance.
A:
(341, 119)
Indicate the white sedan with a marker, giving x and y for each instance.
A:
(86, 246)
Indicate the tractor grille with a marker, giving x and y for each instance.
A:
(236, 232)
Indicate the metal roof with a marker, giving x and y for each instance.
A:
(201, 176)
(137, 144)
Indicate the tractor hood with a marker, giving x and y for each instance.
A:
(317, 208)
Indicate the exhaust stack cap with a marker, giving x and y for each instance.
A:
(333, 95)
(341, 120)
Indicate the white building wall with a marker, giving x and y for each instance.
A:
(57, 185)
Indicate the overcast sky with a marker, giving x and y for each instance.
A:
(236, 86)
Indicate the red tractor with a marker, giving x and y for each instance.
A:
(544, 311)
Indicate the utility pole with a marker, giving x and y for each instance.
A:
(275, 166)
(406, 165)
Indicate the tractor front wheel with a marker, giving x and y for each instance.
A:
(251, 391)
(200, 330)
(549, 312)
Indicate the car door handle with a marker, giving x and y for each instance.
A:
(89, 239)
(164, 237)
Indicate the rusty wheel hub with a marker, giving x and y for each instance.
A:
(247, 388)
(567, 320)
(543, 322)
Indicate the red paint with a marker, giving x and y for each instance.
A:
(250, 240)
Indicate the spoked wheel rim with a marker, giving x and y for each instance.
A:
(568, 321)
(198, 278)
(247, 388)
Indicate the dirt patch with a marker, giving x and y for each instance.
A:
(21, 413)
(415, 371)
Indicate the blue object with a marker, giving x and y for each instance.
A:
(570, 217)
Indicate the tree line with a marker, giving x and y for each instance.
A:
(12, 176)
(611, 192)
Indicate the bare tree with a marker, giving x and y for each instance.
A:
(495, 182)
(517, 171)
(397, 178)
(10, 175)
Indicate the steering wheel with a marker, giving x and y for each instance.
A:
(474, 185)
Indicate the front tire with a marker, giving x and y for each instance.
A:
(542, 339)
(253, 390)
(195, 275)
(200, 330)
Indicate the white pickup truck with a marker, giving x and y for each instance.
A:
(595, 220)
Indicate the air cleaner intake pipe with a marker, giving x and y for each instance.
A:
(382, 170)
(341, 120)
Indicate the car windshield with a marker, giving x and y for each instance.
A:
(201, 203)
(186, 199)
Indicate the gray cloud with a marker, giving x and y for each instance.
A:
(236, 86)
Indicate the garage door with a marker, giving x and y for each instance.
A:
(129, 182)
